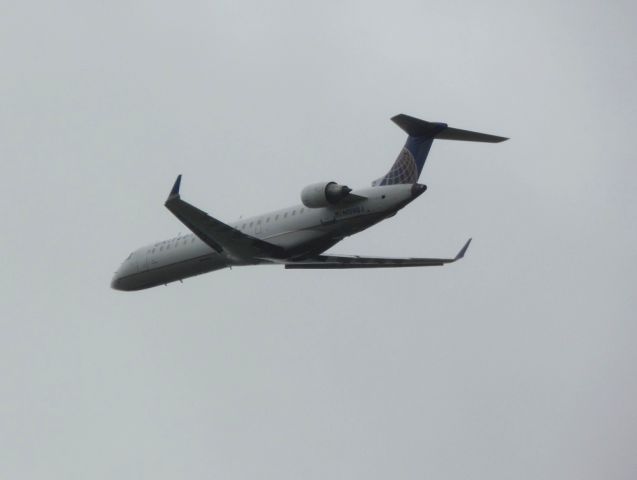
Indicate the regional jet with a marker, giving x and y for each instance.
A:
(295, 237)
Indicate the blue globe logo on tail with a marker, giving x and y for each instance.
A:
(404, 170)
(409, 164)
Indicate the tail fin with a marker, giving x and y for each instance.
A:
(411, 159)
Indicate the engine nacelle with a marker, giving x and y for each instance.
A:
(324, 194)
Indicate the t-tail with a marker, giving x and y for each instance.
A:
(421, 134)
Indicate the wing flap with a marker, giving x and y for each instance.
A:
(355, 261)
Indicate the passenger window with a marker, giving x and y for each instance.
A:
(161, 249)
(302, 210)
(277, 217)
(251, 223)
(267, 220)
(293, 212)
(285, 215)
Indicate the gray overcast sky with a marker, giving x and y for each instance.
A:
(518, 362)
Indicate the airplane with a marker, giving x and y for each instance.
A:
(295, 237)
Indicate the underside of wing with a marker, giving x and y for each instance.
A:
(354, 261)
(219, 236)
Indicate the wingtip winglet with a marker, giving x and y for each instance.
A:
(174, 193)
(463, 250)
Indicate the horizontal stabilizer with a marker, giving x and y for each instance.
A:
(416, 127)
(468, 136)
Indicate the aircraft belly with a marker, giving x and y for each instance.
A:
(172, 272)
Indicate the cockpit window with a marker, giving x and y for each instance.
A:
(129, 257)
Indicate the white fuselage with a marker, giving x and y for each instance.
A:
(299, 230)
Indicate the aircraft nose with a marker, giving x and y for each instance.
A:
(116, 283)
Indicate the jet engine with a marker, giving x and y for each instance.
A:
(324, 194)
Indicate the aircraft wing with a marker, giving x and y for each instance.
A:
(219, 236)
(354, 261)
